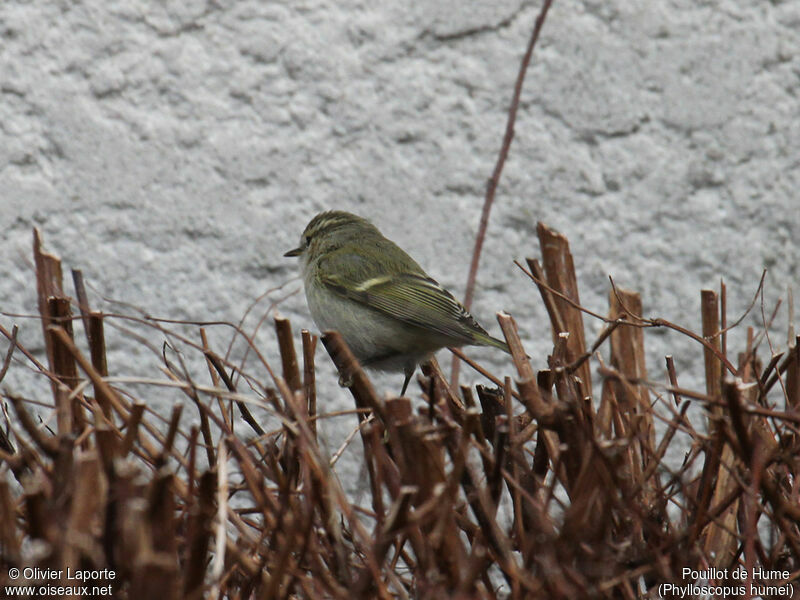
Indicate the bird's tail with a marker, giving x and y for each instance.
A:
(487, 340)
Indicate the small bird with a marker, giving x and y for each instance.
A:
(392, 315)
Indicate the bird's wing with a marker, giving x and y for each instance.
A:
(412, 298)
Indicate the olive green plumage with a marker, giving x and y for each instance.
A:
(389, 311)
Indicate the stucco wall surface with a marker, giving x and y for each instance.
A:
(174, 150)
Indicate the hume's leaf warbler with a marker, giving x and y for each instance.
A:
(389, 311)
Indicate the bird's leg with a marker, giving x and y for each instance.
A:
(408, 371)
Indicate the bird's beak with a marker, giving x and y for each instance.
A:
(295, 252)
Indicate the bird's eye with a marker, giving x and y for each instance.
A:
(308, 240)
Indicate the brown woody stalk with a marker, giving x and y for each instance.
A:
(521, 490)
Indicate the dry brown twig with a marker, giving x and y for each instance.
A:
(494, 179)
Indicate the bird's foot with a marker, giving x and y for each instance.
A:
(345, 380)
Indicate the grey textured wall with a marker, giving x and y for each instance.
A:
(174, 150)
